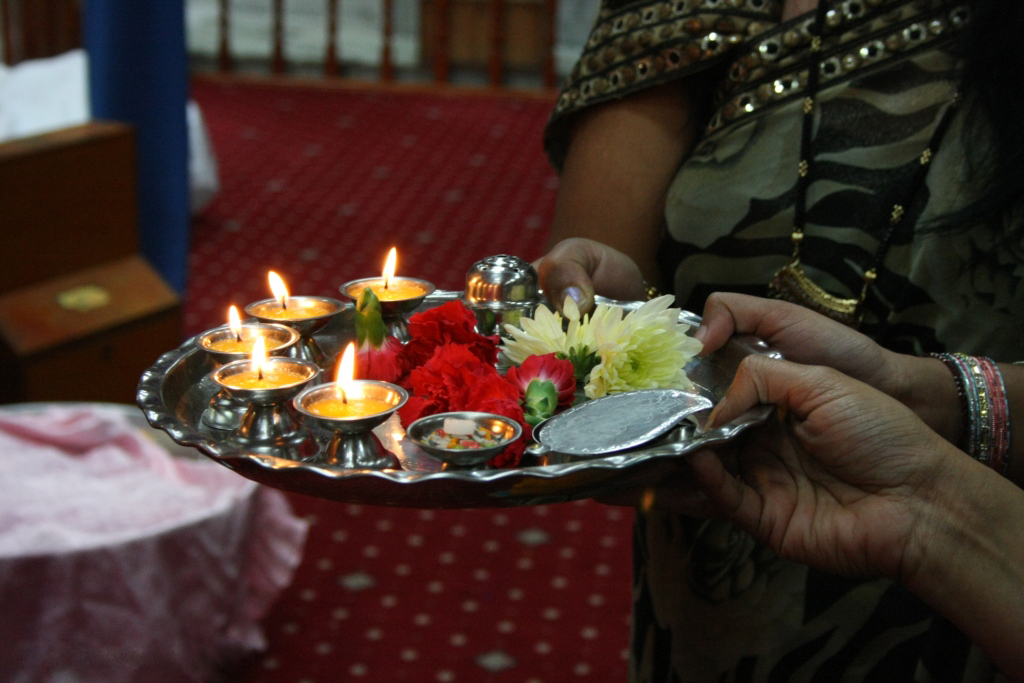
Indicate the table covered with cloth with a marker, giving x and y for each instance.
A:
(124, 557)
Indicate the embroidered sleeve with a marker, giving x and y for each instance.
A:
(636, 45)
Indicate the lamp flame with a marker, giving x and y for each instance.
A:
(259, 356)
(235, 322)
(346, 371)
(279, 289)
(389, 266)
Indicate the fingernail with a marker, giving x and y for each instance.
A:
(700, 333)
(712, 421)
(577, 295)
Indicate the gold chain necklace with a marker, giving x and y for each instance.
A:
(791, 282)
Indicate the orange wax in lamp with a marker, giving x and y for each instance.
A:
(235, 345)
(291, 308)
(349, 407)
(390, 288)
(263, 375)
(239, 344)
(348, 402)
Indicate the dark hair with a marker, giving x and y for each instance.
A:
(994, 137)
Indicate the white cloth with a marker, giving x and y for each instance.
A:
(120, 562)
(43, 95)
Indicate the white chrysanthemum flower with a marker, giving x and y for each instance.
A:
(577, 334)
(606, 325)
(645, 350)
(536, 336)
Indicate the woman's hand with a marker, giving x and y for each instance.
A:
(841, 482)
(850, 481)
(923, 384)
(579, 268)
(800, 335)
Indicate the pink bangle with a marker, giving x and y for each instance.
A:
(999, 414)
(985, 415)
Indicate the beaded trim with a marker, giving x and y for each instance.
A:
(985, 414)
(649, 43)
(769, 74)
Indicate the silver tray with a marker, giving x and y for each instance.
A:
(176, 390)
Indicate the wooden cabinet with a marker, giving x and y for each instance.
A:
(82, 315)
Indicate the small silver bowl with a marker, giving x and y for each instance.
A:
(501, 289)
(505, 428)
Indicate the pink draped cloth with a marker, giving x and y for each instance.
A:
(122, 562)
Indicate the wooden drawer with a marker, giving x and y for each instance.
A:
(87, 336)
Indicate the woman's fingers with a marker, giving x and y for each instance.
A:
(726, 314)
(793, 388)
(801, 335)
(580, 267)
(727, 494)
(563, 275)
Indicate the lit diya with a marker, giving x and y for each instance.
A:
(266, 386)
(351, 408)
(232, 342)
(235, 341)
(304, 314)
(399, 296)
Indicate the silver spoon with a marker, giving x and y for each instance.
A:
(617, 422)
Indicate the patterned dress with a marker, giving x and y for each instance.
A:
(710, 603)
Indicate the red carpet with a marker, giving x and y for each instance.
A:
(318, 184)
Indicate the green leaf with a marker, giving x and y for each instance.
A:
(583, 361)
(369, 320)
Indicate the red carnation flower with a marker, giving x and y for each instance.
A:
(386, 364)
(546, 368)
(450, 323)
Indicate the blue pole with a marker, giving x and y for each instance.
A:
(138, 74)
